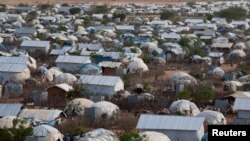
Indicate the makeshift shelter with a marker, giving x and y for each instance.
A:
(183, 128)
(217, 72)
(58, 93)
(213, 117)
(137, 65)
(46, 131)
(8, 122)
(245, 78)
(10, 109)
(71, 63)
(236, 54)
(153, 136)
(90, 69)
(184, 107)
(102, 109)
(182, 78)
(77, 106)
(99, 134)
(65, 78)
(242, 106)
(101, 85)
(240, 45)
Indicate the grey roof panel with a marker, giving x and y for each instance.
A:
(170, 122)
(7, 109)
(73, 59)
(12, 67)
(242, 104)
(99, 80)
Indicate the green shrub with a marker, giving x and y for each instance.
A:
(130, 136)
(167, 15)
(75, 10)
(233, 13)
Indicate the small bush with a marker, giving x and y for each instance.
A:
(130, 136)
(168, 15)
(233, 13)
(146, 58)
(101, 9)
(75, 10)
(185, 94)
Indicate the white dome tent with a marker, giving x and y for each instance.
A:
(240, 45)
(65, 78)
(7, 122)
(217, 72)
(213, 117)
(136, 65)
(184, 107)
(107, 108)
(77, 106)
(47, 131)
(183, 78)
(99, 135)
(153, 136)
(236, 54)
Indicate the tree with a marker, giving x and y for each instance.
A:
(101, 9)
(120, 15)
(65, 4)
(41, 36)
(61, 27)
(75, 10)
(167, 15)
(191, 4)
(184, 94)
(184, 42)
(130, 136)
(2, 7)
(77, 92)
(204, 93)
(31, 15)
(45, 6)
(233, 13)
(14, 133)
(87, 21)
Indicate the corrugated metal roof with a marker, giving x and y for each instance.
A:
(14, 60)
(110, 64)
(7, 109)
(125, 27)
(26, 31)
(222, 45)
(99, 80)
(169, 122)
(90, 47)
(34, 43)
(242, 104)
(64, 86)
(73, 59)
(42, 114)
(12, 67)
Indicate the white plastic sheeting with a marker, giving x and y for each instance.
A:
(245, 78)
(7, 122)
(217, 72)
(47, 131)
(65, 78)
(213, 117)
(184, 107)
(153, 136)
(136, 65)
(99, 135)
(77, 106)
(22, 76)
(107, 108)
(184, 78)
(237, 53)
(149, 45)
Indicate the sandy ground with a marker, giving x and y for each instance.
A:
(113, 2)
